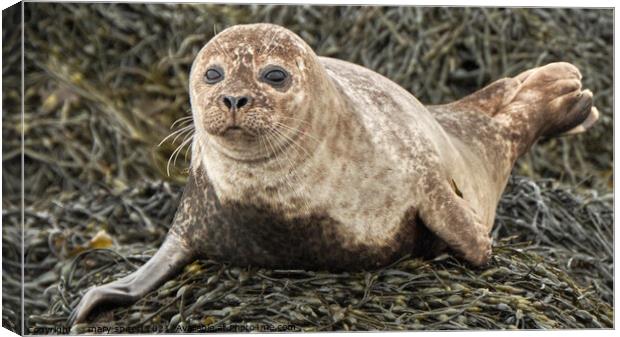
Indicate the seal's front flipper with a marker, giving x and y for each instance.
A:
(451, 218)
(167, 261)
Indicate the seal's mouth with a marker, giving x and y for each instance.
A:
(235, 131)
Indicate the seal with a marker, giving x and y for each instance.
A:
(300, 161)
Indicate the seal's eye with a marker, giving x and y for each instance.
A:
(213, 75)
(275, 76)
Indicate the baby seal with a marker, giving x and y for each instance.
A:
(300, 161)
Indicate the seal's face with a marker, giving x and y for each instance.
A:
(248, 89)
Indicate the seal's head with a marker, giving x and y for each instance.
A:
(251, 89)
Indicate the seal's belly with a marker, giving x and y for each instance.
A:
(259, 237)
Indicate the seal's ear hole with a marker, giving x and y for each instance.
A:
(456, 188)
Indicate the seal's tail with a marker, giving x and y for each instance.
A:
(547, 101)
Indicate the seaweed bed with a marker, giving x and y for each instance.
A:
(553, 268)
(103, 83)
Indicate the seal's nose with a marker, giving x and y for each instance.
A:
(235, 103)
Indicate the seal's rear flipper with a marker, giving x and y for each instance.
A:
(590, 120)
(548, 102)
(168, 260)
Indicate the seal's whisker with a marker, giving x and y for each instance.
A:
(188, 136)
(282, 200)
(183, 128)
(188, 148)
(222, 49)
(176, 134)
(263, 144)
(219, 47)
(291, 179)
(187, 131)
(175, 152)
(296, 144)
(292, 172)
(297, 130)
(308, 124)
(217, 44)
(296, 119)
(272, 46)
(280, 164)
(180, 148)
(292, 141)
(181, 121)
(183, 124)
(268, 44)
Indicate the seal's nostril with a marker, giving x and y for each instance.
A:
(233, 103)
(241, 101)
(229, 101)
